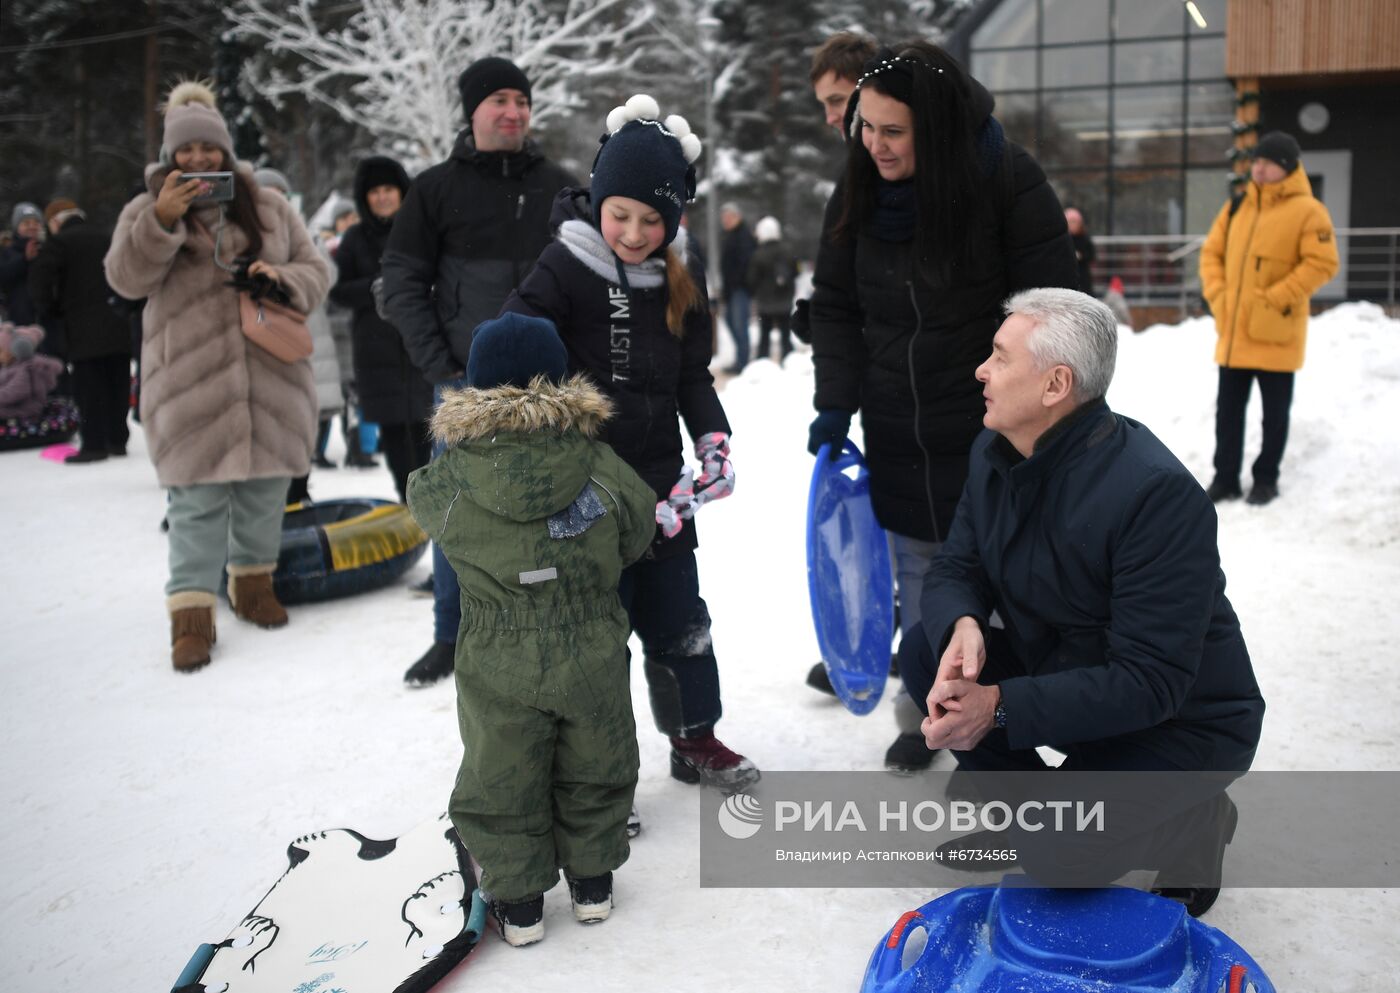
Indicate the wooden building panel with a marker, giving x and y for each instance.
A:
(1311, 37)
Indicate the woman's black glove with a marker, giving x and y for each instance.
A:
(259, 286)
(830, 426)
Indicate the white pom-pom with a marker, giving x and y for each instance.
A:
(617, 117)
(188, 92)
(677, 125)
(690, 147)
(644, 107)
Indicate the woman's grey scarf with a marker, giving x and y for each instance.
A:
(587, 245)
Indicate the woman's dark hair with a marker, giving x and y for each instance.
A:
(947, 176)
(243, 210)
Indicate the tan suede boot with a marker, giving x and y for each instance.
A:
(192, 633)
(250, 592)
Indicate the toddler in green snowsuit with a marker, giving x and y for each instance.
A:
(538, 518)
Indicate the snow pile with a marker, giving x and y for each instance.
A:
(146, 811)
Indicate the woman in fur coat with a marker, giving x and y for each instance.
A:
(227, 424)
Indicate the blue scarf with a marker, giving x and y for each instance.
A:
(895, 206)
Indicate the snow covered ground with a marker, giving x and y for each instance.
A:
(146, 811)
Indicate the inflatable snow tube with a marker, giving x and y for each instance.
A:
(980, 939)
(337, 548)
(56, 423)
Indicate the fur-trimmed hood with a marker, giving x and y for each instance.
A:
(470, 414)
(518, 453)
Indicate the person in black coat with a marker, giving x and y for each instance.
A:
(67, 283)
(736, 248)
(468, 232)
(1084, 253)
(632, 310)
(937, 219)
(772, 276)
(27, 225)
(1097, 548)
(392, 391)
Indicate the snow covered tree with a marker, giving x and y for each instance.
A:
(401, 58)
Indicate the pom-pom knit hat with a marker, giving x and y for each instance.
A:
(512, 350)
(191, 115)
(646, 159)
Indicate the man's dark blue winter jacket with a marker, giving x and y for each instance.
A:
(1099, 553)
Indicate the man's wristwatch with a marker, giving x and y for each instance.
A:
(999, 715)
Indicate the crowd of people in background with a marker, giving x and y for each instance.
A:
(495, 300)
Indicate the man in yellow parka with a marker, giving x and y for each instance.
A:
(1265, 256)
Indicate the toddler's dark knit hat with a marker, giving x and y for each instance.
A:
(647, 159)
(1280, 147)
(484, 77)
(513, 349)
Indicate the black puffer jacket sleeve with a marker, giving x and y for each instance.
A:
(837, 320)
(409, 270)
(541, 293)
(1036, 242)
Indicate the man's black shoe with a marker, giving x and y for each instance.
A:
(1196, 899)
(819, 680)
(1224, 489)
(435, 664)
(909, 754)
(1262, 493)
(87, 455)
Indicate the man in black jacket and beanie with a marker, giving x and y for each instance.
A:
(465, 237)
(67, 283)
(1097, 549)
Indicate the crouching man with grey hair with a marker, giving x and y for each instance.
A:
(1097, 550)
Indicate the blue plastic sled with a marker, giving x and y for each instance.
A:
(996, 940)
(849, 578)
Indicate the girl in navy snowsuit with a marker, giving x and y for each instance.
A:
(631, 306)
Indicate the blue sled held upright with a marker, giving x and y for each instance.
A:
(1004, 939)
(849, 578)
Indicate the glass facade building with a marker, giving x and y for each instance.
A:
(1124, 103)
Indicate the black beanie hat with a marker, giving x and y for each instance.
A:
(512, 350)
(484, 77)
(1280, 147)
(648, 160)
(379, 170)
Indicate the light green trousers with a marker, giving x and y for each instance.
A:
(214, 523)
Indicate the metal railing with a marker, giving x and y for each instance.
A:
(1163, 270)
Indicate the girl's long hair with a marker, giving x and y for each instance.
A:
(682, 293)
(947, 177)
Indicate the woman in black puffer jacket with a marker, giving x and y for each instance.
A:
(392, 391)
(938, 219)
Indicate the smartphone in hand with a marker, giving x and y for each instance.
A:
(220, 186)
